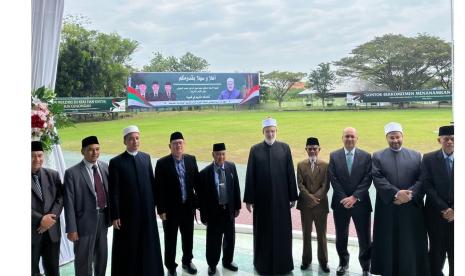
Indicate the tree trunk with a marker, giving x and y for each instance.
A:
(323, 102)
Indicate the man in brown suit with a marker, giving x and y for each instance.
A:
(313, 181)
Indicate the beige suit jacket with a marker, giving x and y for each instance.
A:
(314, 183)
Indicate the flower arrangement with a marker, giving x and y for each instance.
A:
(46, 117)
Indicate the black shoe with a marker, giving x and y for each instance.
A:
(324, 267)
(366, 273)
(172, 272)
(304, 266)
(231, 266)
(211, 270)
(341, 269)
(190, 268)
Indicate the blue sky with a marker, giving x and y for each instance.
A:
(266, 35)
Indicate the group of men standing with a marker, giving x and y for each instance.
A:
(128, 194)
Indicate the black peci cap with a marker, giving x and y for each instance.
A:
(36, 146)
(219, 147)
(89, 141)
(176, 135)
(312, 141)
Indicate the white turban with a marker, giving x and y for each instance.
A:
(269, 122)
(392, 126)
(130, 129)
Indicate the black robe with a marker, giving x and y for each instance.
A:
(132, 191)
(270, 186)
(399, 234)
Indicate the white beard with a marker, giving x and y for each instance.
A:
(270, 142)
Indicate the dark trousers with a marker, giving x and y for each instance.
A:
(220, 230)
(92, 249)
(50, 253)
(441, 242)
(184, 221)
(320, 218)
(362, 222)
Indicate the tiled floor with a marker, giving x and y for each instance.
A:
(243, 256)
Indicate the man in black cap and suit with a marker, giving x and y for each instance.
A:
(350, 175)
(177, 175)
(220, 203)
(86, 207)
(46, 207)
(313, 181)
(437, 176)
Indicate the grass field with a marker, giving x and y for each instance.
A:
(241, 130)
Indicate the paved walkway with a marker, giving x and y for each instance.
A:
(243, 256)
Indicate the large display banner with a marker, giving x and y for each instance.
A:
(92, 104)
(156, 89)
(405, 96)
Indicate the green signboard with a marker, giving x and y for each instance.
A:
(163, 89)
(406, 96)
(92, 105)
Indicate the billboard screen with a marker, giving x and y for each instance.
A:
(156, 89)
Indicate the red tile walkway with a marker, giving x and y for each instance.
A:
(246, 218)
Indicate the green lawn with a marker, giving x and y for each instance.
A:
(241, 129)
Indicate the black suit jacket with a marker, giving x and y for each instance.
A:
(166, 179)
(356, 184)
(52, 203)
(437, 183)
(208, 194)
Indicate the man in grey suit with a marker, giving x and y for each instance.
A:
(87, 212)
(46, 207)
(350, 176)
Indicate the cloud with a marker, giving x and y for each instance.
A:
(293, 35)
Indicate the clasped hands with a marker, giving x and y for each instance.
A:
(348, 202)
(46, 223)
(403, 196)
(448, 214)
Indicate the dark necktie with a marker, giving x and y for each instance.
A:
(35, 177)
(221, 187)
(449, 165)
(101, 199)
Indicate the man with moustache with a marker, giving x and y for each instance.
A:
(399, 234)
(133, 197)
(177, 176)
(437, 176)
(46, 207)
(86, 208)
(220, 203)
(270, 189)
(313, 181)
(350, 175)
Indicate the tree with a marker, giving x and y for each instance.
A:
(187, 63)
(91, 63)
(281, 82)
(400, 63)
(322, 81)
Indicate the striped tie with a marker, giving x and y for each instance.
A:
(36, 182)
